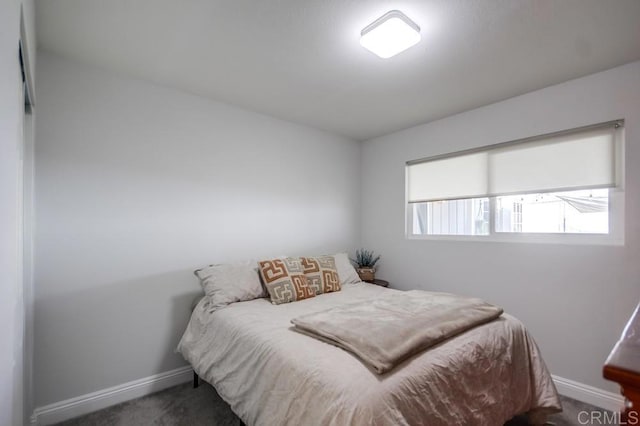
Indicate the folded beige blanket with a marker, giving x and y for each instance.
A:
(385, 331)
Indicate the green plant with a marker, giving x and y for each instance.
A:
(365, 259)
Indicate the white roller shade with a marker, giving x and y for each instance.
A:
(584, 160)
(463, 176)
(573, 160)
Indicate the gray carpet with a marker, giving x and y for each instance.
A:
(183, 405)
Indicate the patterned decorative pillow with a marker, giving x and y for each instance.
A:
(285, 280)
(321, 274)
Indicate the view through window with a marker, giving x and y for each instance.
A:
(576, 212)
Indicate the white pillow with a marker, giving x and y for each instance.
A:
(346, 272)
(228, 283)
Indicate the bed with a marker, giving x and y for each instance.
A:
(272, 375)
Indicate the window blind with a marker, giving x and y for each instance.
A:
(435, 180)
(584, 158)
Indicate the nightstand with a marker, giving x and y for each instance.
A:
(381, 283)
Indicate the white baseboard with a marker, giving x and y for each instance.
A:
(589, 394)
(94, 401)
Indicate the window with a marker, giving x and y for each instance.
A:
(452, 217)
(561, 187)
(574, 212)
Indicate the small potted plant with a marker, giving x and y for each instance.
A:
(365, 263)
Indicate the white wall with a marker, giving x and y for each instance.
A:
(138, 185)
(574, 299)
(11, 110)
(28, 249)
(12, 320)
(28, 11)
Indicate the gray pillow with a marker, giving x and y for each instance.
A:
(229, 283)
(346, 272)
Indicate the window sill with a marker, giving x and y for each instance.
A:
(529, 238)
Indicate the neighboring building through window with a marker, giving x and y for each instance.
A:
(516, 223)
(568, 183)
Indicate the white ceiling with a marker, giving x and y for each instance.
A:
(301, 59)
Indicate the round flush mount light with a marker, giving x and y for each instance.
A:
(390, 34)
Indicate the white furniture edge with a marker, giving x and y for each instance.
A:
(591, 395)
(94, 401)
(84, 404)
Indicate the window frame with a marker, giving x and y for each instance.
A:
(615, 236)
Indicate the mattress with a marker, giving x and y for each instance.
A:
(272, 375)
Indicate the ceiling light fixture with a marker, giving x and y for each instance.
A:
(390, 34)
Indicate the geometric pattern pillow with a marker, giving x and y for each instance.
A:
(321, 273)
(285, 280)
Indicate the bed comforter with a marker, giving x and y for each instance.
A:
(271, 375)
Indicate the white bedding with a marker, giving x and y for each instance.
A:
(271, 375)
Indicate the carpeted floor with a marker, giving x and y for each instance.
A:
(183, 405)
